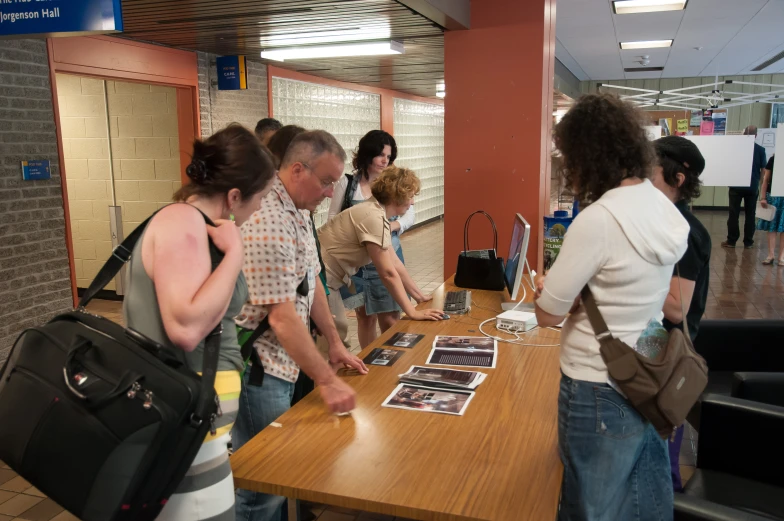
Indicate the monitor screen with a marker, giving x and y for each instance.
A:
(518, 249)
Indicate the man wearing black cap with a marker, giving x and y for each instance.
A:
(677, 175)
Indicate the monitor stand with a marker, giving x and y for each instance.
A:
(519, 305)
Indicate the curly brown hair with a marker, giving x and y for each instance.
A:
(603, 141)
(395, 186)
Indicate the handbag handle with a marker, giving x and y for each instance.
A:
(465, 230)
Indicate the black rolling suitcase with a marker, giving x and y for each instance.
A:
(99, 418)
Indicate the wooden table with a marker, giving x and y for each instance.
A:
(498, 461)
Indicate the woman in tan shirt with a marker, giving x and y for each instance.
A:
(360, 235)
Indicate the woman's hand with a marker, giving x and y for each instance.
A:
(763, 203)
(539, 283)
(226, 236)
(427, 314)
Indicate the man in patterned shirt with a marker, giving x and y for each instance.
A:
(281, 267)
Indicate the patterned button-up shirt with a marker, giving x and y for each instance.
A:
(280, 252)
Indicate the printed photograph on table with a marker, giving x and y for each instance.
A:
(428, 399)
(383, 356)
(408, 340)
(437, 377)
(480, 343)
(462, 358)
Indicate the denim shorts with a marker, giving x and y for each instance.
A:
(375, 296)
(616, 466)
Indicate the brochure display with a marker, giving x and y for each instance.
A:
(465, 351)
(383, 356)
(447, 378)
(407, 340)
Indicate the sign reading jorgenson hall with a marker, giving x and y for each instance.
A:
(31, 18)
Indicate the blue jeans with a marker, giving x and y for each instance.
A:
(616, 467)
(258, 407)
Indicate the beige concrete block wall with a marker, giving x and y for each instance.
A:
(143, 137)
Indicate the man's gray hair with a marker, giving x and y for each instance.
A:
(308, 146)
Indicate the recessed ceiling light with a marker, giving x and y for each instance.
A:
(647, 6)
(651, 44)
(441, 94)
(333, 51)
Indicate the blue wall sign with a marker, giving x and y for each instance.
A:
(232, 73)
(59, 17)
(36, 170)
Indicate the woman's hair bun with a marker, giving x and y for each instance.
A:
(197, 171)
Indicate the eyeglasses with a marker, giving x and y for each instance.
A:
(325, 185)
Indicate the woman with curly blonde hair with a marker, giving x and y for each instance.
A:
(360, 235)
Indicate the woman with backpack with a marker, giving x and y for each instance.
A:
(376, 150)
(176, 296)
(623, 247)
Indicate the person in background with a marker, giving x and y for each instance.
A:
(376, 150)
(281, 266)
(677, 175)
(174, 297)
(361, 234)
(776, 226)
(748, 196)
(623, 246)
(280, 141)
(266, 128)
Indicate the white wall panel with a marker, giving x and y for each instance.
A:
(419, 133)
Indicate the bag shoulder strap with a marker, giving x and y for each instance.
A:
(122, 254)
(600, 329)
(596, 319)
(350, 188)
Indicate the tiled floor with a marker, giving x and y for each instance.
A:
(740, 287)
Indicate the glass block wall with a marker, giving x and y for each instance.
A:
(419, 132)
(346, 114)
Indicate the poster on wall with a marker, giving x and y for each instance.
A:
(766, 138)
(728, 159)
(706, 127)
(777, 185)
(683, 127)
(719, 123)
(696, 118)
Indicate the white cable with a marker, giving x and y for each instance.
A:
(517, 341)
(522, 283)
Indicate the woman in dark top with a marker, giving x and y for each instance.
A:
(776, 226)
(677, 175)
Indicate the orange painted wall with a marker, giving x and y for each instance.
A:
(387, 95)
(113, 58)
(498, 122)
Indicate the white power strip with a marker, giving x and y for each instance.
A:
(516, 321)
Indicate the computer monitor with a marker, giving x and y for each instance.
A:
(516, 262)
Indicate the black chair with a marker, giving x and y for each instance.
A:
(739, 346)
(739, 463)
(731, 346)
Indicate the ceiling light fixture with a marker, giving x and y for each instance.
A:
(306, 52)
(650, 44)
(441, 94)
(356, 34)
(647, 6)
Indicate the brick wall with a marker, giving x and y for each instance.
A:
(145, 150)
(34, 274)
(220, 107)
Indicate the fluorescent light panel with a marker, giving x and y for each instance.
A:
(651, 44)
(377, 32)
(333, 51)
(647, 6)
(441, 94)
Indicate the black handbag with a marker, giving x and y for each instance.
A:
(101, 419)
(482, 269)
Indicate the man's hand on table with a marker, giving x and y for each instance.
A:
(340, 357)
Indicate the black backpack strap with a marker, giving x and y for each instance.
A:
(350, 189)
(256, 377)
